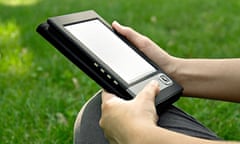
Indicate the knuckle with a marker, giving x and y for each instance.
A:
(101, 123)
(107, 106)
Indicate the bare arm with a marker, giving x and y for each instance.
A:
(204, 78)
(134, 121)
(159, 135)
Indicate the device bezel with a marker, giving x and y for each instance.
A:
(59, 34)
(60, 22)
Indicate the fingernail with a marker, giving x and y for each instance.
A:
(116, 22)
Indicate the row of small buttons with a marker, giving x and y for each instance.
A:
(103, 71)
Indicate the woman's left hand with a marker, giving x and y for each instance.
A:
(125, 122)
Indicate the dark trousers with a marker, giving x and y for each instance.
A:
(88, 131)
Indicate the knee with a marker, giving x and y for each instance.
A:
(77, 124)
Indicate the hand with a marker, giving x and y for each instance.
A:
(134, 121)
(124, 122)
(148, 47)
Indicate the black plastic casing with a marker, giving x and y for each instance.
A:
(53, 31)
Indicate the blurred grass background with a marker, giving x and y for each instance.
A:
(41, 92)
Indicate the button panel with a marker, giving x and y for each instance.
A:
(103, 71)
(164, 80)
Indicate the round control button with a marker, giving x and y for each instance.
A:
(165, 79)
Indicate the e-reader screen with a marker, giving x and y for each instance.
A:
(112, 50)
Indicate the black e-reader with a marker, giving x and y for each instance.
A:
(108, 58)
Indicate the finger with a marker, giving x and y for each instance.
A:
(144, 44)
(149, 92)
(125, 31)
(134, 37)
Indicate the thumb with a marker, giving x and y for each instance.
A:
(149, 92)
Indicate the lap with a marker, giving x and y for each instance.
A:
(87, 130)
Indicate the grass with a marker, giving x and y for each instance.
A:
(41, 92)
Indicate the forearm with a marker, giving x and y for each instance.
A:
(205, 78)
(157, 135)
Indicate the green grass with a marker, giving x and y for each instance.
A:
(41, 92)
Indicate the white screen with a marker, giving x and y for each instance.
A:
(111, 50)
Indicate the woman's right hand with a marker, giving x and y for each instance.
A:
(148, 47)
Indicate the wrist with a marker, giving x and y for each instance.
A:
(172, 66)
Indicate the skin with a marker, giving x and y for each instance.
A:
(134, 121)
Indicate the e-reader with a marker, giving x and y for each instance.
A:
(88, 41)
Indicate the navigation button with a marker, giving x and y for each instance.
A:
(109, 76)
(102, 70)
(95, 64)
(165, 79)
(115, 82)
